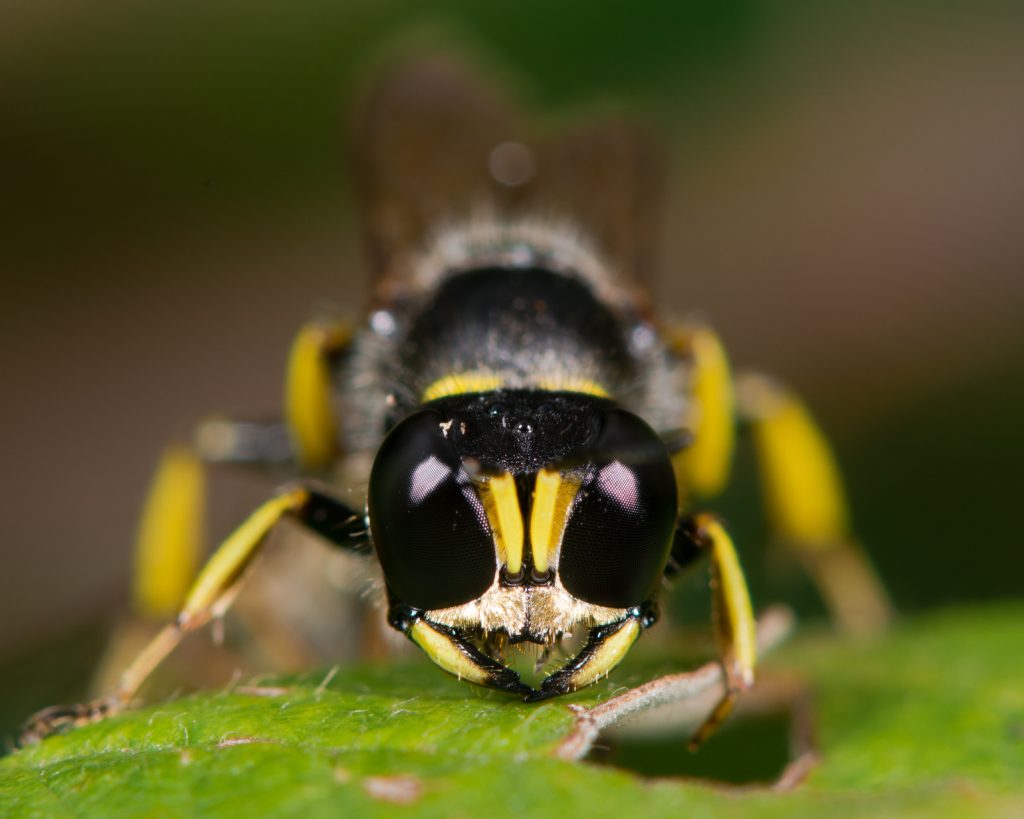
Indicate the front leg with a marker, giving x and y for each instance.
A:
(212, 594)
(732, 613)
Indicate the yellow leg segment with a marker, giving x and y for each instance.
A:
(210, 596)
(734, 623)
(215, 588)
(308, 404)
(170, 536)
(703, 467)
(806, 504)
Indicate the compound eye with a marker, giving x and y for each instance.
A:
(428, 525)
(619, 533)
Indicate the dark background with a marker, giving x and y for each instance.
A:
(845, 202)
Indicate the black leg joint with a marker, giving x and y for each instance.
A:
(402, 617)
(647, 613)
(688, 545)
(337, 522)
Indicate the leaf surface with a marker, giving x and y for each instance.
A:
(929, 722)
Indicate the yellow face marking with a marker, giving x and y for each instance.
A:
(440, 648)
(609, 655)
(501, 501)
(461, 383)
(552, 496)
(570, 383)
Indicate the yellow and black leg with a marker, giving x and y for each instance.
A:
(732, 613)
(170, 542)
(805, 504)
(804, 496)
(213, 592)
(170, 538)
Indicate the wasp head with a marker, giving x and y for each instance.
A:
(522, 513)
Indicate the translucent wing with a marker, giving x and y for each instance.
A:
(434, 143)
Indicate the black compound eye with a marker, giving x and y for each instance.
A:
(619, 533)
(428, 525)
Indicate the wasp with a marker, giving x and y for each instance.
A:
(532, 444)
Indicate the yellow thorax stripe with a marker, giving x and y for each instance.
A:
(552, 496)
(572, 383)
(461, 383)
(501, 501)
(485, 380)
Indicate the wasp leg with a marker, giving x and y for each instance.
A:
(806, 504)
(170, 536)
(213, 593)
(308, 401)
(732, 613)
(606, 646)
(702, 466)
(234, 442)
(452, 652)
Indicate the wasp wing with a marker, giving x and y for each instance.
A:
(435, 143)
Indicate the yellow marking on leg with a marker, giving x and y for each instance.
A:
(462, 383)
(739, 628)
(235, 554)
(806, 505)
(703, 467)
(553, 494)
(735, 626)
(501, 502)
(170, 534)
(213, 591)
(447, 654)
(308, 406)
(804, 493)
(608, 655)
(210, 596)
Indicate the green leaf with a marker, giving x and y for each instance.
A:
(929, 722)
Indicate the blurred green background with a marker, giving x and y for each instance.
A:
(845, 201)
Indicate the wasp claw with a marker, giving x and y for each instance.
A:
(60, 718)
(545, 692)
(507, 680)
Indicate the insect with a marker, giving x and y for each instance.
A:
(537, 444)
